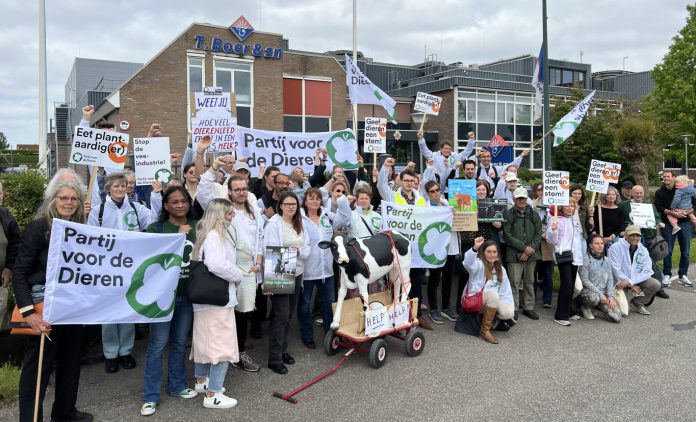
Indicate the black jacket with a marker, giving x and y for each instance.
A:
(11, 229)
(30, 265)
(663, 201)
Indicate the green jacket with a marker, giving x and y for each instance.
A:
(521, 230)
(626, 208)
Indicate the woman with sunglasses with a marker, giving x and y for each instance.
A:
(285, 229)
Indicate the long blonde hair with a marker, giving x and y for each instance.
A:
(213, 219)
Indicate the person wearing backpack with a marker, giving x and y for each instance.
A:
(118, 212)
(522, 233)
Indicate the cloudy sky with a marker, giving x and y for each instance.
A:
(398, 31)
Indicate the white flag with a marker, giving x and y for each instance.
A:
(106, 276)
(362, 91)
(568, 123)
(538, 84)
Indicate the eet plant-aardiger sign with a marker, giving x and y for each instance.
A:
(98, 147)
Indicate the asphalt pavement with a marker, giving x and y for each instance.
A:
(641, 369)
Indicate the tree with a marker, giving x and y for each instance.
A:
(634, 138)
(675, 81)
(4, 143)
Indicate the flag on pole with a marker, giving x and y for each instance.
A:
(538, 84)
(568, 123)
(362, 91)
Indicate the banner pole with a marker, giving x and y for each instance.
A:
(555, 216)
(422, 122)
(374, 161)
(599, 217)
(92, 178)
(38, 378)
(594, 197)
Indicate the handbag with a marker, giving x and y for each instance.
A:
(205, 288)
(19, 326)
(658, 248)
(577, 288)
(473, 304)
(564, 257)
(621, 301)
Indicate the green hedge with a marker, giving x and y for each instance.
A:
(23, 194)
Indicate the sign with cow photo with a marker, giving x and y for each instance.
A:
(462, 198)
(279, 270)
(491, 210)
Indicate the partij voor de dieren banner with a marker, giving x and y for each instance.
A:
(103, 276)
(288, 150)
(428, 228)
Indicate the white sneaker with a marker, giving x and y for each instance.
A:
(666, 280)
(202, 388)
(675, 230)
(587, 312)
(219, 401)
(148, 408)
(563, 322)
(574, 317)
(685, 281)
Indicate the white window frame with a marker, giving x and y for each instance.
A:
(304, 110)
(249, 62)
(188, 84)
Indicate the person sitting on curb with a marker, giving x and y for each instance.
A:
(632, 269)
(597, 283)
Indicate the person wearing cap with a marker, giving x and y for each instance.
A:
(632, 269)
(626, 188)
(522, 233)
(510, 183)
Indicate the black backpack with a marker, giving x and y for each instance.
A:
(658, 248)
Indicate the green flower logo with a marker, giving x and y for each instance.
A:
(433, 243)
(145, 289)
(77, 157)
(131, 220)
(376, 222)
(343, 149)
(163, 175)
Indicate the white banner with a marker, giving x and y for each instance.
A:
(152, 160)
(212, 102)
(556, 188)
(601, 174)
(106, 276)
(428, 104)
(288, 150)
(428, 228)
(375, 139)
(362, 91)
(222, 132)
(642, 215)
(568, 123)
(103, 148)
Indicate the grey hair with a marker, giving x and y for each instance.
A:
(62, 176)
(213, 219)
(362, 186)
(48, 208)
(113, 178)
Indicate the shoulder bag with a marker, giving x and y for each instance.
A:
(205, 288)
(473, 304)
(17, 323)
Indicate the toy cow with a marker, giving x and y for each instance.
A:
(364, 260)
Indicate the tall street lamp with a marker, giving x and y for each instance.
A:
(686, 137)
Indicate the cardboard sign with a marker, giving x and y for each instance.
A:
(643, 216)
(222, 131)
(491, 210)
(602, 174)
(152, 160)
(556, 188)
(462, 197)
(375, 138)
(379, 317)
(428, 104)
(103, 148)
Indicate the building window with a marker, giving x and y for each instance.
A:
(306, 104)
(235, 76)
(567, 77)
(195, 81)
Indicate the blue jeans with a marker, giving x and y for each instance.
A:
(325, 290)
(175, 333)
(215, 374)
(684, 237)
(117, 339)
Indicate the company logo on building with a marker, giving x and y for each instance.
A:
(241, 28)
(496, 145)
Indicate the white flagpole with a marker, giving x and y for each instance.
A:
(355, 61)
(44, 152)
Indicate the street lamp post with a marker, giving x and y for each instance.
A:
(686, 137)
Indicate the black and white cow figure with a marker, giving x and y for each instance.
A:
(368, 259)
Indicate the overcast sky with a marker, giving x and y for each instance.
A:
(398, 31)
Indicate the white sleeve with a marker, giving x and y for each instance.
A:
(343, 213)
(382, 185)
(213, 250)
(204, 191)
(424, 150)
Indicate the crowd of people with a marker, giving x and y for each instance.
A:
(229, 219)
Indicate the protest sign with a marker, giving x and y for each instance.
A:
(107, 276)
(222, 132)
(428, 228)
(152, 160)
(375, 138)
(212, 102)
(288, 150)
(279, 271)
(379, 317)
(491, 210)
(642, 215)
(462, 197)
(602, 174)
(427, 104)
(101, 148)
(556, 188)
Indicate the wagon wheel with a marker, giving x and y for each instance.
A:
(414, 342)
(378, 353)
(331, 346)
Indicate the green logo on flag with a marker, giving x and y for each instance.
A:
(434, 242)
(151, 310)
(342, 149)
